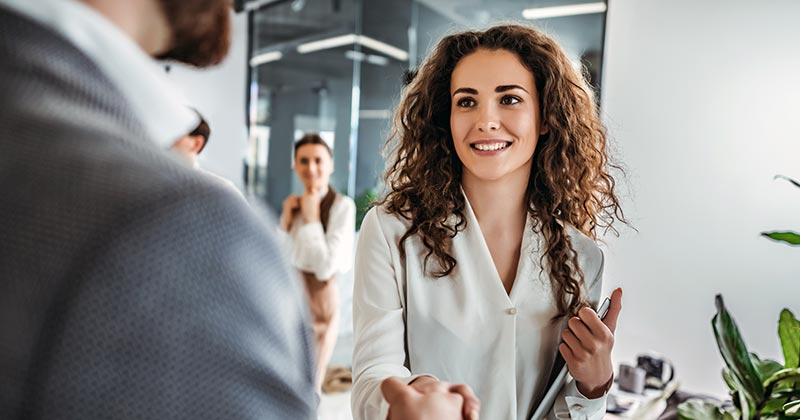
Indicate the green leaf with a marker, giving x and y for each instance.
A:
(696, 409)
(792, 407)
(795, 183)
(792, 238)
(782, 375)
(789, 332)
(735, 354)
(364, 202)
(726, 376)
(788, 394)
(774, 406)
(765, 368)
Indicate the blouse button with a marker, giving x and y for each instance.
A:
(511, 311)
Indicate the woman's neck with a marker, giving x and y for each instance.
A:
(321, 191)
(498, 204)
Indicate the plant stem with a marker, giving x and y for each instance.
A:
(760, 406)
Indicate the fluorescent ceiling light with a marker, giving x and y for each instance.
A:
(341, 40)
(327, 43)
(355, 55)
(378, 60)
(266, 57)
(559, 11)
(383, 47)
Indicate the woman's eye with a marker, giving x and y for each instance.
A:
(466, 102)
(509, 100)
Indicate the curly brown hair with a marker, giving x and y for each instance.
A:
(570, 182)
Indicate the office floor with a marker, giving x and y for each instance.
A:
(335, 407)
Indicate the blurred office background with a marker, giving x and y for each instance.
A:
(701, 104)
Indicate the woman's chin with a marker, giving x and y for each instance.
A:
(488, 174)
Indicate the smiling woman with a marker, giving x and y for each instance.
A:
(495, 114)
(477, 266)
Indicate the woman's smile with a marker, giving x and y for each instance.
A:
(490, 147)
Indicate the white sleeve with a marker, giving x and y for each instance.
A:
(571, 404)
(378, 322)
(327, 253)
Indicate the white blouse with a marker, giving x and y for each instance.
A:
(462, 328)
(325, 253)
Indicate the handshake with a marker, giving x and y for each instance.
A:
(426, 398)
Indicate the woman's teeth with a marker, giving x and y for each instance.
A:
(486, 147)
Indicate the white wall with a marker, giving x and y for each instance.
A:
(219, 94)
(703, 101)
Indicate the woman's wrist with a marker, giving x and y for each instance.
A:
(593, 392)
(311, 219)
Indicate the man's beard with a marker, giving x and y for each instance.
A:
(201, 31)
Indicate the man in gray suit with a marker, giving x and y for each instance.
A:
(130, 286)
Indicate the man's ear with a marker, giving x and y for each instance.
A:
(197, 143)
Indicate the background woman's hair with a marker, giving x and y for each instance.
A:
(311, 138)
(570, 181)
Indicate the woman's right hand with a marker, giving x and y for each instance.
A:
(427, 397)
(290, 206)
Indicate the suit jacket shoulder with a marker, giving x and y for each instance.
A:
(130, 286)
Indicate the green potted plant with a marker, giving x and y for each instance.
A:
(792, 238)
(364, 202)
(759, 389)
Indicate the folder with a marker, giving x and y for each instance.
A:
(559, 376)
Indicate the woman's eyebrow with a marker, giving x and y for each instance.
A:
(503, 88)
(471, 91)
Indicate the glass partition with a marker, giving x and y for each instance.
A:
(336, 67)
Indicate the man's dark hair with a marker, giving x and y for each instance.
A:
(202, 129)
(311, 138)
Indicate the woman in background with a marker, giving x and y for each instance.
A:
(484, 246)
(321, 225)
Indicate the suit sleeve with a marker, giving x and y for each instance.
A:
(186, 311)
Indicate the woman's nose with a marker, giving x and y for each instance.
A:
(488, 120)
(486, 126)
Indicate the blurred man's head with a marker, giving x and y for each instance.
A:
(195, 32)
(190, 145)
(201, 31)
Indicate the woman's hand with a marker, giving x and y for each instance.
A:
(309, 206)
(290, 206)
(407, 403)
(472, 405)
(587, 345)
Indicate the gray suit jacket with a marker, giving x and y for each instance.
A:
(130, 287)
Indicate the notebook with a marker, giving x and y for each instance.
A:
(559, 376)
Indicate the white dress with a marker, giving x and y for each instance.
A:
(463, 328)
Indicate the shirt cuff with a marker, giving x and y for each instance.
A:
(582, 408)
